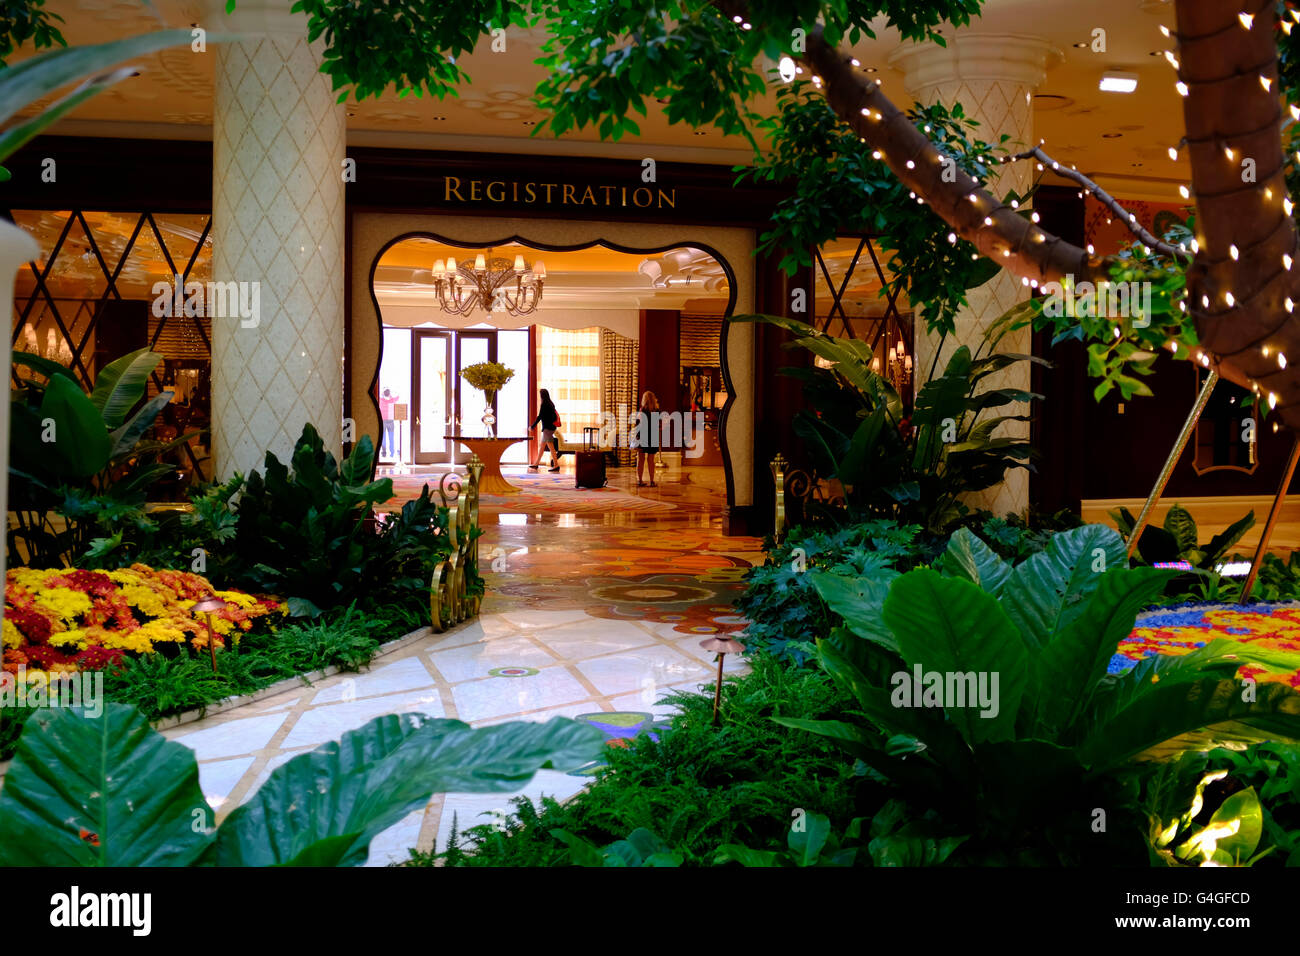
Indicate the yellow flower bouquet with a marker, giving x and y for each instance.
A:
(488, 376)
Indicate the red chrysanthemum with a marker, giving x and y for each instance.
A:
(97, 658)
(95, 583)
(35, 626)
(46, 656)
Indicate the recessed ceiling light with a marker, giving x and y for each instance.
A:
(1156, 53)
(1083, 45)
(871, 69)
(1111, 135)
(700, 132)
(530, 122)
(1116, 82)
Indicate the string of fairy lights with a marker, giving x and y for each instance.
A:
(988, 207)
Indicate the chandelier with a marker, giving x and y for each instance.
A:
(491, 285)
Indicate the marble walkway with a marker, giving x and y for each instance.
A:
(582, 616)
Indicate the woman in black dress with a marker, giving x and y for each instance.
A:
(549, 419)
(646, 438)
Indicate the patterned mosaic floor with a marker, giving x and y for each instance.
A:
(1271, 629)
(587, 616)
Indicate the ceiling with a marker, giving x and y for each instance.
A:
(1120, 140)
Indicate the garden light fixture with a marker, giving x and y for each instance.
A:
(722, 646)
(205, 606)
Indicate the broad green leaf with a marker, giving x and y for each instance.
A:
(927, 726)
(1180, 523)
(125, 437)
(101, 791)
(806, 843)
(1065, 673)
(736, 853)
(970, 558)
(375, 775)
(1221, 542)
(47, 367)
(949, 627)
(81, 444)
(1167, 708)
(122, 383)
(859, 601)
(1046, 592)
(1233, 831)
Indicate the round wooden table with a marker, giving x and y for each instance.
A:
(489, 451)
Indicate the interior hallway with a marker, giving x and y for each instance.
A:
(593, 616)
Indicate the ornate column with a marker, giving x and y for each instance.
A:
(994, 78)
(278, 225)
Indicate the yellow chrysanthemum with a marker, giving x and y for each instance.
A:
(67, 603)
(145, 599)
(12, 636)
(244, 601)
(76, 635)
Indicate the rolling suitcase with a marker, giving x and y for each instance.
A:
(590, 472)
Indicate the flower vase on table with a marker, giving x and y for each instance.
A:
(489, 378)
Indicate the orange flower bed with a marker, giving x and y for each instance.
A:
(67, 619)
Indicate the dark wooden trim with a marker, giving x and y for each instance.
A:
(112, 175)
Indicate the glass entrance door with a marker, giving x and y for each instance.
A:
(431, 391)
(445, 404)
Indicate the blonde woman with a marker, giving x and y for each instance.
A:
(645, 438)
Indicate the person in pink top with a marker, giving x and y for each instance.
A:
(386, 403)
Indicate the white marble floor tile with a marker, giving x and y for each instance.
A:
(406, 674)
(541, 716)
(551, 687)
(475, 660)
(217, 778)
(635, 670)
(591, 638)
(531, 620)
(228, 738)
(330, 721)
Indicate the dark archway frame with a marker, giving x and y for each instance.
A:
(718, 257)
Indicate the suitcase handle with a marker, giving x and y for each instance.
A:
(589, 439)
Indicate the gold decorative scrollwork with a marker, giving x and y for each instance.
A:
(449, 599)
(803, 486)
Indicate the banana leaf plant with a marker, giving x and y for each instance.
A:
(986, 690)
(1177, 540)
(83, 456)
(112, 791)
(911, 469)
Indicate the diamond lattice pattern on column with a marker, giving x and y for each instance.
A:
(1000, 106)
(278, 141)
